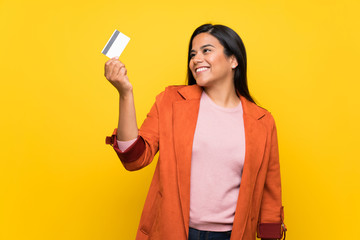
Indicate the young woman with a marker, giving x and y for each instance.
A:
(218, 174)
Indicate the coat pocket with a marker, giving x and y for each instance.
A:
(150, 213)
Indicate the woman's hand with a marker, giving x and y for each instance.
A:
(116, 73)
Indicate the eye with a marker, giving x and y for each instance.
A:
(192, 55)
(205, 50)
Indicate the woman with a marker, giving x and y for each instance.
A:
(218, 174)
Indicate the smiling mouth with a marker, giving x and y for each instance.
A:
(201, 69)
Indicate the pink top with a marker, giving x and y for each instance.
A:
(216, 166)
(123, 145)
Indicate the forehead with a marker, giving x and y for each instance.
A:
(204, 39)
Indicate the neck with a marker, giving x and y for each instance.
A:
(224, 96)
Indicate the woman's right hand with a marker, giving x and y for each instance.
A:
(116, 74)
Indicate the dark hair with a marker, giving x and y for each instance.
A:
(233, 45)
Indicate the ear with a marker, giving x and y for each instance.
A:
(233, 62)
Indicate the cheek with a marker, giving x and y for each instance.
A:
(191, 65)
(222, 64)
(214, 61)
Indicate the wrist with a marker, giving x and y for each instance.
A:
(126, 94)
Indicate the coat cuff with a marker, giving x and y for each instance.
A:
(272, 230)
(269, 230)
(132, 153)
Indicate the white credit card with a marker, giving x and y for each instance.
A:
(116, 44)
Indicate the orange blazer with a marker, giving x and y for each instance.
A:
(169, 128)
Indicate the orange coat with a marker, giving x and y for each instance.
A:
(169, 128)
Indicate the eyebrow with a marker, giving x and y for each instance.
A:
(202, 47)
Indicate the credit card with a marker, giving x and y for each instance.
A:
(116, 44)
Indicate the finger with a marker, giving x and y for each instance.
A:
(108, 62)
(122, 72)
(120, 63)
(116, 70)
(112, 69)
(115, 65)
(106, 72)
(108, 67)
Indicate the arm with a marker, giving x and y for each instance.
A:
(127, 125)
(143, 150)
(116, 74)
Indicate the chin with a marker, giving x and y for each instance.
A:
(202, 83)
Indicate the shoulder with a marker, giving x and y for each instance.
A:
(179, 92)
(268, 119)
(258, 113)
(168, 95)
(170, 90)
(175, 87)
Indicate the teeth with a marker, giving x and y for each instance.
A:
(201, 69)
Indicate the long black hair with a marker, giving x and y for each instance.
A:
(233, 45)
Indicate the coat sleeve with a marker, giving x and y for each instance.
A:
(271, 225)
(142, 151)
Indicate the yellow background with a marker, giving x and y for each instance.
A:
(58, 179)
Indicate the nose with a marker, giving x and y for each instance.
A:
(197, 58)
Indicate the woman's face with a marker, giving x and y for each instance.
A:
(208, 62)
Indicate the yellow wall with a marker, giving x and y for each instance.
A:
(58, 179)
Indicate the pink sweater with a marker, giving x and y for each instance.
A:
(216, 165)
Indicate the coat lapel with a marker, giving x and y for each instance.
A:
(185, 114)
(255, 140)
